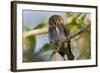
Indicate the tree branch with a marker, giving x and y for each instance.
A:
(72, 35)
(45, 30)
(35, 32)
(72, 18)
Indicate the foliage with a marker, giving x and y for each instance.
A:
(29, 44)
(69, 14)
(77, 23)
(46, 47)
(41, 25)
(43, 54)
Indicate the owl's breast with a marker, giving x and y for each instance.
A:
(60, 35)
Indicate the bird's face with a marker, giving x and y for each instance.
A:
(56, 20)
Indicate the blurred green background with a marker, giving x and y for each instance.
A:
(37, 48)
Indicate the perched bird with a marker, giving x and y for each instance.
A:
(57, 32)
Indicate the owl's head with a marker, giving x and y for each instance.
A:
(56, 20)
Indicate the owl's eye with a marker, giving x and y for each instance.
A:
(53, 20)
(58, 19)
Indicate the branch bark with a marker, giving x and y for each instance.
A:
(71, 19)
(45, 30)
(35, 32)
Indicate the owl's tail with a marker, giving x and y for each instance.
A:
(69, 52)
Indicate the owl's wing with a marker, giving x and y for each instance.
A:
(52, 34)
(68, 50)
(66, 31)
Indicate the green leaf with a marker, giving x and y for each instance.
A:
(81, 21)
(26, 28)
(40, 26)
(69, 14)
(83, 17)
(46, 47)
(32, 41)
(29, 44)
(76, 24)
(72, 27)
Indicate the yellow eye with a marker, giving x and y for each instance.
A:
(58, 19)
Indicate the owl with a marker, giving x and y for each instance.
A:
(57, 32)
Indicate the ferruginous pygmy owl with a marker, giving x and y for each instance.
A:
(57, 32)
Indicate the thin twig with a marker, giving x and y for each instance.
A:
(72, 18)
